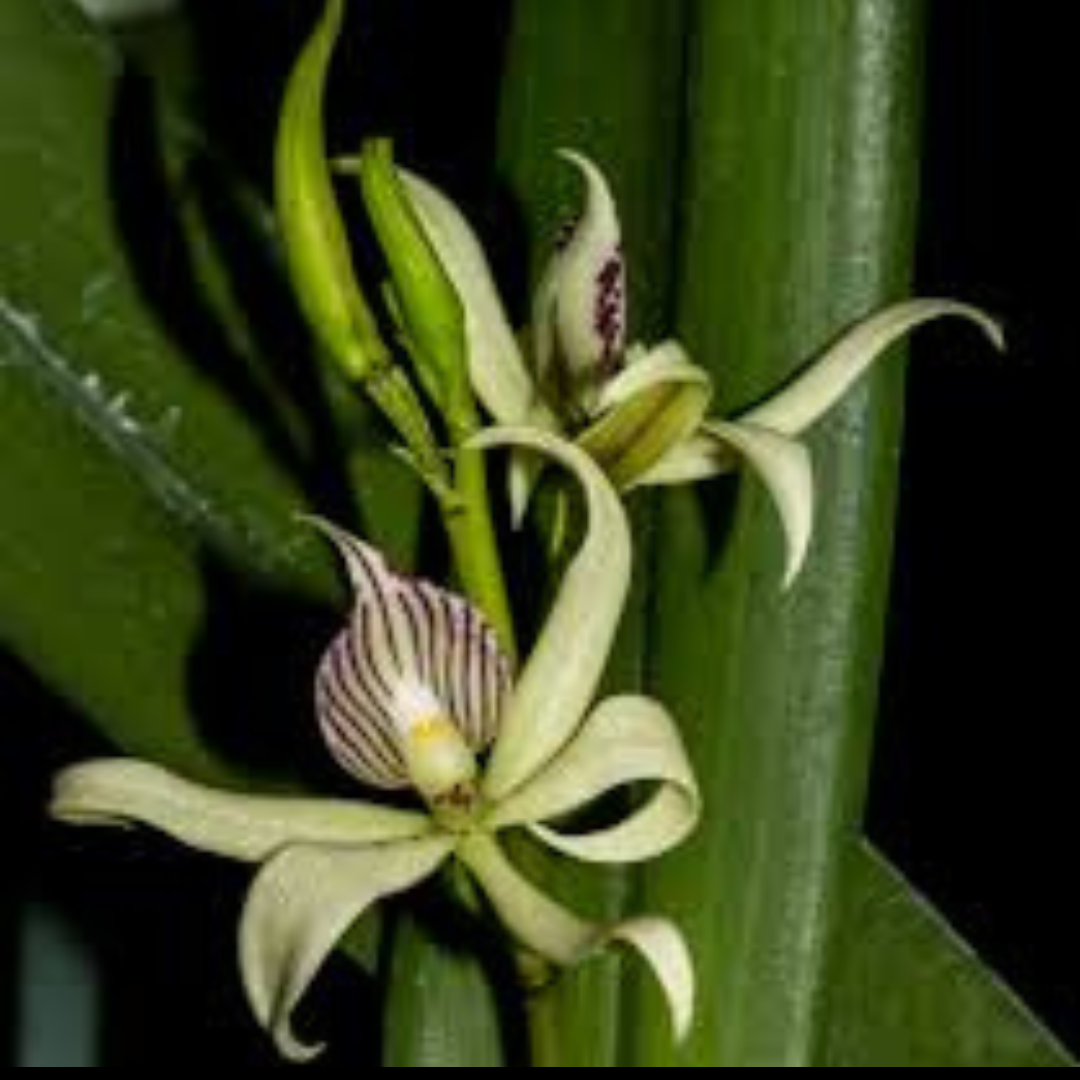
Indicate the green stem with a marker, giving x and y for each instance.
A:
(474, 546)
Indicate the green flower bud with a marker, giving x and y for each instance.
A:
(428, 309)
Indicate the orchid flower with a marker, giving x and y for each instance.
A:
(415, 693)
(642, 411)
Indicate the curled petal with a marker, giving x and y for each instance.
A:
(824, 383)
(654, 404)
(412, 652)
(496, 367)
(699, 457)
(647, 368)
(564, 668)
(553, 932)
(123, 791)
(783, 466)
(624, 740)
(591, 297)
(579, 316)
(301, 903)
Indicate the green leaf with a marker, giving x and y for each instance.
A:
(905, 992)
(797, 218)
(134, 490)
(152, 457)
(799, 197)
(458, 1023)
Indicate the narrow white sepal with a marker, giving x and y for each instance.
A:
(300, 905)
(783, 465)
(554, 932)
(624, 740)
(125, 791)
(497, 369)
(699, 457)
(664, 364)
(661, 943)
(560, 678)
(814, 392)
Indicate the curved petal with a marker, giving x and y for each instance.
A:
(625, 739)
(590, 302)
(301, 903)
(123, 791)
(651, 406)
(824, 383)
(661, 943)
(496, 367)
(783, 465)
(560, 678)
(412, 653)
(699, 457)
(661, 365)
(579, 312)
(523, 476)
(553, 932)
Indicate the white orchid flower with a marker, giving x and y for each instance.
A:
(415, 693)
(643, 411)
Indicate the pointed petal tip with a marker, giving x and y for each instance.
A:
(662, 945)
(576, 158)
(304, 898)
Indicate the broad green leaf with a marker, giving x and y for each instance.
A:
(798, 207)
(460, 1022)
(139, 500)
(906, 992)
(799, 197)
(151, 571)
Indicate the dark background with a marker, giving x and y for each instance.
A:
(975, 790)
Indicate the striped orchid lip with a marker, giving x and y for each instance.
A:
(414, 685)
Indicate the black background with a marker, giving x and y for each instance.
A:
(975, 790)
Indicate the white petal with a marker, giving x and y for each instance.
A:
(411, 651)
(699, 457)
(824, 383)
(590, 285)
(496, 368)
(661, 365)
(560, 678)
(559, 935)
(523, 476)
(661, 943)
(624, 740)
(783, 466)
(653, 405)
(542, 328)
(299, 906)
(123, 791)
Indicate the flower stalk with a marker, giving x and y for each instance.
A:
(424, 305)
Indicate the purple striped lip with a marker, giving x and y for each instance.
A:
(411, 651)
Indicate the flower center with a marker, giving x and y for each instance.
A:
(440, 764)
